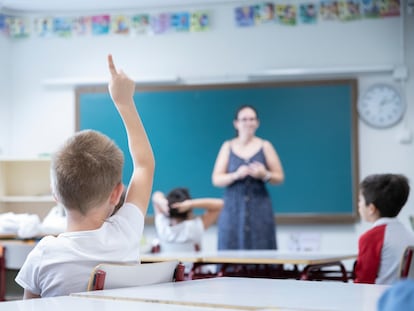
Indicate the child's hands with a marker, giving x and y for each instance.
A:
(182, 206)
(160, 203)
(121, 87)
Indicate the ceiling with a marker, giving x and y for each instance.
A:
(67, 6)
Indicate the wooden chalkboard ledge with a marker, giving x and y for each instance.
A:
(294, 219)
(288, 219)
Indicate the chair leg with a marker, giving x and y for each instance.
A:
(2, 273)
(406, 262)
(179, 273)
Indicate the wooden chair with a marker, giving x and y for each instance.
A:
(159, 247)
(334, 271)
(407, 263)
(12, 259)
(194, 271)
(2, 273)
(113, 275)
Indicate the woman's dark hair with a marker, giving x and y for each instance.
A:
(244, 107)
(178, 195)
(236, 116)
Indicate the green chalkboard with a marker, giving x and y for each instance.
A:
(311, 124)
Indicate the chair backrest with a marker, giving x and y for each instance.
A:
(411, 219)
(118, 275)
(407, 263)
(2, 273)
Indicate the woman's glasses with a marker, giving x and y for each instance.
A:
(247, 119)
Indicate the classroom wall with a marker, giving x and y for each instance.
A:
(42, 103)
(5, 70)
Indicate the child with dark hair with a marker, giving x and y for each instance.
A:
(380, 249)
(176, 196)
(175, 222)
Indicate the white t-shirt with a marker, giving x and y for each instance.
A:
(188, 231)
(62, 265)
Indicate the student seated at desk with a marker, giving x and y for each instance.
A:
(381, 248)
(177, 227)
(87, 179)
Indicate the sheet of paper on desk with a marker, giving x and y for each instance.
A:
(304, 242)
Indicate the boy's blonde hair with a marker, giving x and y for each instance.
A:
(85, 170)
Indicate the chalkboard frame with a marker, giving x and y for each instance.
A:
(283, 218)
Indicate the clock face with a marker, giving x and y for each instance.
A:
(381, 106)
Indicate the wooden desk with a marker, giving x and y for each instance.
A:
(13, 254)
(312, 262)
(16, 252)
(69, 303)
(8, 236)
(273, 257)
(250, 257)
(254, 293)
(12, 236)
(167, 256)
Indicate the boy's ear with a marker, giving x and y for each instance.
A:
(372, 209)
(53, 194)
(116, 194)
(55, 197)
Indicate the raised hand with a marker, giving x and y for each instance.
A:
(121, 87)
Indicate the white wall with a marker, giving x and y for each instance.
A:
(5, 99)
(223, 51)
(43, 116)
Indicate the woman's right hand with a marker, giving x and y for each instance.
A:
(242, 172)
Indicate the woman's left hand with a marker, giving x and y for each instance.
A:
(257, 170)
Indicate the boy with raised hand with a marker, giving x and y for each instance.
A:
(86, 178)
(380, 249)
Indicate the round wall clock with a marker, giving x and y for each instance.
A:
(381, 106)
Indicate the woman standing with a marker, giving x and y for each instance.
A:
(244, 164)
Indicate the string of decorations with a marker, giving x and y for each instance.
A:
(254, 15)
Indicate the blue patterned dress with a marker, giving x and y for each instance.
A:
(246, 221)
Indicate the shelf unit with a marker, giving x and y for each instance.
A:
(25, 186)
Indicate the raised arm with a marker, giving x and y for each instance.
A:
(121, 89)
(160, 203)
